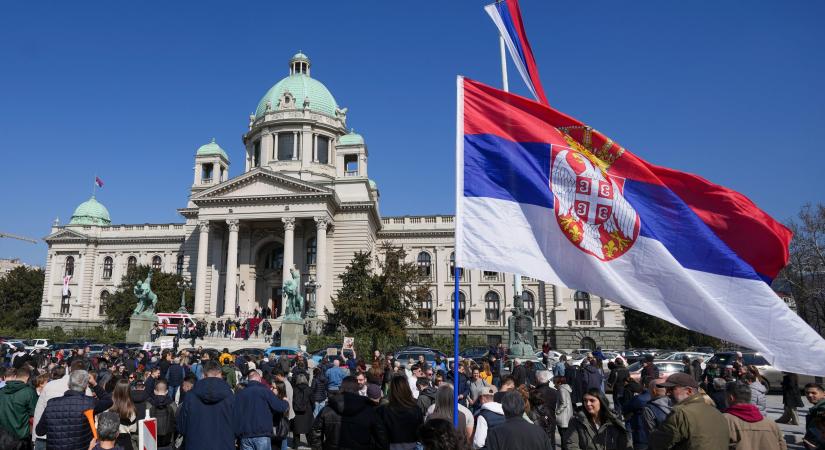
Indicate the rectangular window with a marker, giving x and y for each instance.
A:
(207, 173)
(286, 143)
(350, 165)
(256, 154)
(64, 305)
(323, 150)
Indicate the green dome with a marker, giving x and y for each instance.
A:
(212, 148)
(351, 138)
(91, 212)
(302, 87)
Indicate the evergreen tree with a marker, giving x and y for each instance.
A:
(21, 292)
(377, 304)
(646, 331)
(122, 303)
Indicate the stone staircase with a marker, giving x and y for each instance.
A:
(220, 343)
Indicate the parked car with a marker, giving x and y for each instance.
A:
(678, 356)
(249, 350)
(127, 345)
(320, 354)
(666, 369)
(291, 352)
(96, 349)
(771, 375)
(630, 356)
(403, 357)
(507, 368)
(477, 354)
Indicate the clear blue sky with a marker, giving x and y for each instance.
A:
(733, 91)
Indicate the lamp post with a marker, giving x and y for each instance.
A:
(311, 287)
(183, 285)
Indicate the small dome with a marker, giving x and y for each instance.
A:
(351, 138)
(212, 148)
(302, 87)
(91, 212)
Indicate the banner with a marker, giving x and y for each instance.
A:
(349, 343)
(167, 344)
(147, 346)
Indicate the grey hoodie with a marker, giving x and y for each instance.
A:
(759, 397)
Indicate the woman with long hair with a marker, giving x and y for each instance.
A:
(279, 389)
(303, 406)
(124, 407)
(375, 374)
(439, 434)
(399, 419)
(443, 409)
(596, 428)
(486, 373)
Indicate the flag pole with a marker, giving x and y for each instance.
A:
(94, 186)
(455, 346)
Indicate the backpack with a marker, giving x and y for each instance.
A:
(301, 399)
(165, 421)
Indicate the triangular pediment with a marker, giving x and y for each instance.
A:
(261, 183)
(65, 234)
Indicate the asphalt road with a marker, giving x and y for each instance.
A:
(793, 434)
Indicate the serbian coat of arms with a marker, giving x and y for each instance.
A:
(590, 206)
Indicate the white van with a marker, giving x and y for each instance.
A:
(168, 322)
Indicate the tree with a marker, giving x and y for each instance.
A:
(804, 275)
(21, 292)
(165, 285)
(646, 331)
(377, 304)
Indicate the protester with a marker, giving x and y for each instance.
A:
(161, 407)
(516, 432)
(426, 394)
(814, 438)
(439, 434)
(758, 393)
(54, 389)
(319, 391)
(596, 428)
(255, 408)
(790, 399)
(488, 417)
(17, 403)
(399, 419)
(335, 375)
(64, 420)
(108, 424)
(637, 397)
(692, 424)
(617, 379)
(205, 417)
(302, 405)
(475, 386)
(564, 410)
(649, 370)
(443, 409)
(124, 407)
(348, 421)
(541, 416)
(748, 429)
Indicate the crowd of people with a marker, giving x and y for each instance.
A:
(228, 329)
(204, 400)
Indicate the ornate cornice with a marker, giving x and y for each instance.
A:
(415, 233)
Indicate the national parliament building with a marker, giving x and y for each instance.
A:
(304, 199)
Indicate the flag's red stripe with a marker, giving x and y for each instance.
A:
(755, 236)
(515, 15)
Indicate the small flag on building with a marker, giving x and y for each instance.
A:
(98, 182)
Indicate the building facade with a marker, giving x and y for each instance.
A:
(304, 200)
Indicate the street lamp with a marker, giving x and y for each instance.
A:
(311, 287)
(183, 285)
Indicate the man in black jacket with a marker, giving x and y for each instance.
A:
(516, 432)
(349, 421)
(64, 420)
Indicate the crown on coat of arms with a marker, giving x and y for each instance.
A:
(602, 157)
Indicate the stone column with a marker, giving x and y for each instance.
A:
(321, 296)
(266, 148)
(289, 242)
(314, 147)
(275, 147)
(294, 145)
(200, 276)
(230, 296)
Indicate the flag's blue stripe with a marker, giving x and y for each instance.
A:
(668, 219)
(506, 170)
(498, 168)
(504, 12)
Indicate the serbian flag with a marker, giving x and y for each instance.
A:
(507, 17)
(98, 182)
(541, 194)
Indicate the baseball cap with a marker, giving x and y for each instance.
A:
(679, 379)
(489, 390)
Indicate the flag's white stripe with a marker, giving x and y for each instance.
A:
(492, 11)
(459, 164)
(506, 236)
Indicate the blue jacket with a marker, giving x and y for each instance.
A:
(335, 375)
(205, 417)
(175, 374)
(634, 409)
(255, 406)
(64, 423)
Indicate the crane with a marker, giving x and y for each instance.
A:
(14, 236)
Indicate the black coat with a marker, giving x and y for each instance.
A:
(398, 425)
(551, 399)
(302, 404)
(205, 417)
(790, 391)
(517, 433)
(319, 388)
(64, 424)
(347, 422)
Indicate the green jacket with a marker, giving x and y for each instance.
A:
(228, 371)
(17, 402)
(692, 425)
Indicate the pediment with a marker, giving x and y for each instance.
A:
(261, 183)
(65, 235)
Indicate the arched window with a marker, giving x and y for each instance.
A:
(107, 267)
(462, 305)
(529, 302)
(312, 252)
(582, 305)
(156, 262)
(491, 305)
(104, 302)
(131, 263)
(588, 343)
(452, 268)
(425, 307)
(274, 259)
(69, 266)
(179, 265)
(424, 264)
